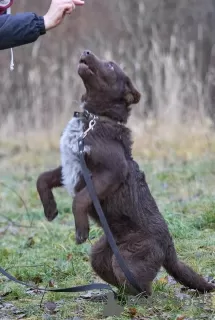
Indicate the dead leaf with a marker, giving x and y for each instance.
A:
(180, 318)
(132, 312)
(163, 280)
(51, 283)
(69, 257)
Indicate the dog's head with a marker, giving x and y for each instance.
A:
(106, 83)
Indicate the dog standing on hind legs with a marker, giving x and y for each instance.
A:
(138, 227)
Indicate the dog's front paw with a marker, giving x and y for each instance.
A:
(82, 235)
(51, 211)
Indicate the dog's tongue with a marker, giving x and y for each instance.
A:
(4, 5)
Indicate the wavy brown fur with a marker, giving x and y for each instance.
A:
(139, 229)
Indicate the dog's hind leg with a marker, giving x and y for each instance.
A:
(45, 183)
(101, 261)
(144, 261)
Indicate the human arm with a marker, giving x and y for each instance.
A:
(24, 28)
(20, 29)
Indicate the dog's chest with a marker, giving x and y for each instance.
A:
(71, 168)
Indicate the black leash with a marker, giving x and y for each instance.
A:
(93, 286)
(92, 192)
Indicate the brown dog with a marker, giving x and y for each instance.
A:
(138, 227)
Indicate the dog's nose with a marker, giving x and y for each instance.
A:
(87, 53)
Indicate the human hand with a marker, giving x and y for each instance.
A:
(57, 11)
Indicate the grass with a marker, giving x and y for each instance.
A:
(44, 253)
(175, 148)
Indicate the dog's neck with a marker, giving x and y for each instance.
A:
(117, 113)
(88, 116)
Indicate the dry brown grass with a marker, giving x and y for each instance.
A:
(49, 90)
(179, 129)
(151, 141)
(165, 142)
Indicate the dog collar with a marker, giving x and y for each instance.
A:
(90, 116)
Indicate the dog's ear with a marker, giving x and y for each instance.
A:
(132, 96)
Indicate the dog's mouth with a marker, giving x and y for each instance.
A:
(84, 66)
(83, 61)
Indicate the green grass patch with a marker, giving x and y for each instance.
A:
(39, 252)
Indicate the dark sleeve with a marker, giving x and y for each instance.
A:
(20, 29)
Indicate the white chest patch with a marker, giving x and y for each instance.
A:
(71, 168)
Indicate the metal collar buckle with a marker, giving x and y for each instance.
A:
(88, 116)
(85, 114)
(91, 126)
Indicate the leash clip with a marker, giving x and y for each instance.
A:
(92, 124)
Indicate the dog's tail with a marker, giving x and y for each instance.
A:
(184, 274)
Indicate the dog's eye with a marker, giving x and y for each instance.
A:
(110, 65)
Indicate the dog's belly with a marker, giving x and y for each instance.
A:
(71, 168)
